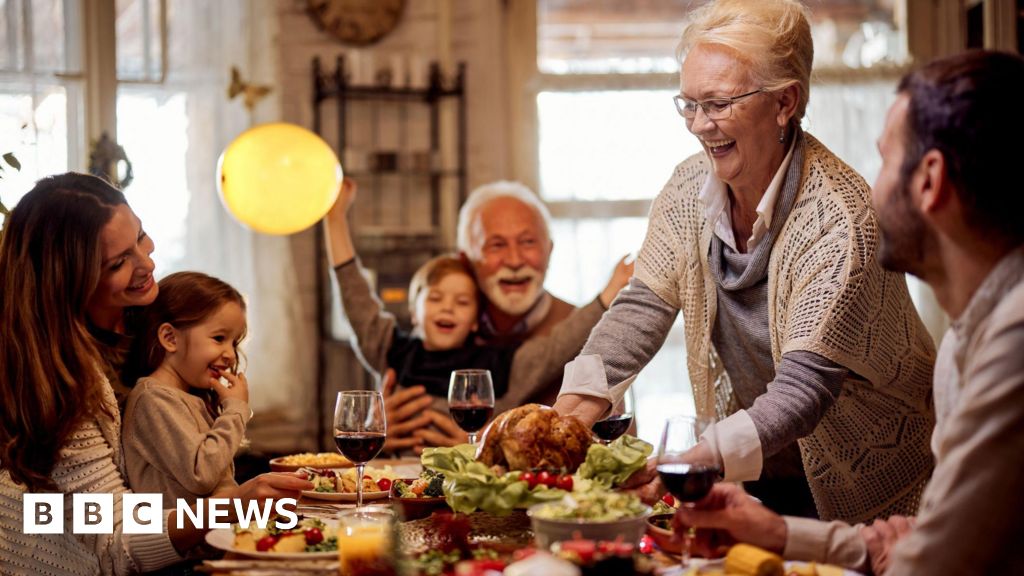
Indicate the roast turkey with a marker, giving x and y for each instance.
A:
(534, 436)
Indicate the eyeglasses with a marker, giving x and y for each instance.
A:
(714, 108)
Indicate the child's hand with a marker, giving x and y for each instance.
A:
(239, 387)
(346, 198)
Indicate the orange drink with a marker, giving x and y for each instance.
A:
(364, 543)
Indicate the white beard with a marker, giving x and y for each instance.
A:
(516, 303)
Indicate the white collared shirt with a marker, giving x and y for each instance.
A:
(715, 196)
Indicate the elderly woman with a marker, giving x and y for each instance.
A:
(812, 354)
(72, 254)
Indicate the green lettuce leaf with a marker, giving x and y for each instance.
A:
(470, 485)
(611, 465)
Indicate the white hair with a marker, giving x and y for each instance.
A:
(481, 195)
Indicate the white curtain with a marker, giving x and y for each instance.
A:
(205, 40)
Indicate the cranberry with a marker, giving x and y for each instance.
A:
(314, 536)
(266, 543)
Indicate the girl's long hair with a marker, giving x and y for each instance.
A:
(50, 373)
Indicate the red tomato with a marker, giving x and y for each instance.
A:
(530, 478)
(546, 478)
(583, 549)
(523, 553)
(266, 543)
(314, 536)
(384, 484)
(646, 544)
(564, 482)
(669, 499)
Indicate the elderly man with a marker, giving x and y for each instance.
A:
(949, 204)
(504, 233)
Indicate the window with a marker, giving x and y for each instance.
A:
(42, 103)
(608, 136)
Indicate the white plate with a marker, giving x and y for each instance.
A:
(701, 566)
(224, 539)
(344, 496)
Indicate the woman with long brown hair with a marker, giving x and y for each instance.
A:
(73, 254)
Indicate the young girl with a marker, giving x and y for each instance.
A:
(185, 420)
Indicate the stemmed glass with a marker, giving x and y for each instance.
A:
(618, 422)
(686, 463)
(471, 400)
(360, 428)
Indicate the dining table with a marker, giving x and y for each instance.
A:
(505, 532)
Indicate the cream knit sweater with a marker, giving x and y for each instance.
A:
(828, 295)
(90, 461)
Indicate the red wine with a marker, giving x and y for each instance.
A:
(688, 482)
(611, 428)
(471, 417)
(359, 447)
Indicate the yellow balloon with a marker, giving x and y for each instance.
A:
(278, 178)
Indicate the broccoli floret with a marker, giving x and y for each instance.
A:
(403, 489)
(435, 488)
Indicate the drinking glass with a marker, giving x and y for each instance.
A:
(366, 542)
(686, 470)
(618, 422)
(471, 400)
(360, 429)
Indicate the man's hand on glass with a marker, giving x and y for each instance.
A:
(729, 515)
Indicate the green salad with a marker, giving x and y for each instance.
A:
(596, 505)
(470, 485)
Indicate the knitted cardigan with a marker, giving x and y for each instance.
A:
(827, 294)
(90, 461)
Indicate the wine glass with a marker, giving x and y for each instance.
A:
(687, 465)
(618, 422)
(471, 400)
(360, 428)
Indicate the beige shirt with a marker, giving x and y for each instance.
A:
(971, 519)
(173, 445)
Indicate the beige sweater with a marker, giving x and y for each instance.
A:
(173, 445)
(90, 461)
(869, 455)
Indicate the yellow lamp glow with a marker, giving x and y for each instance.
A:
(278, 178)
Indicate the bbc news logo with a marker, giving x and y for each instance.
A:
(144, 513)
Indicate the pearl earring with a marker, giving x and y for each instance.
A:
(782, 135)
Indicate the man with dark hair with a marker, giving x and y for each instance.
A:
(950, 204)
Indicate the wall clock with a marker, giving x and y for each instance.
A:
(356, 22)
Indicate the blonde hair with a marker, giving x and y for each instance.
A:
(432, 272)
(772, 36)
(480, 196)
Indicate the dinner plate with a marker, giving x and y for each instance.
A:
(706, 567)
(278, 465)
(224, 539)
(345, 496)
